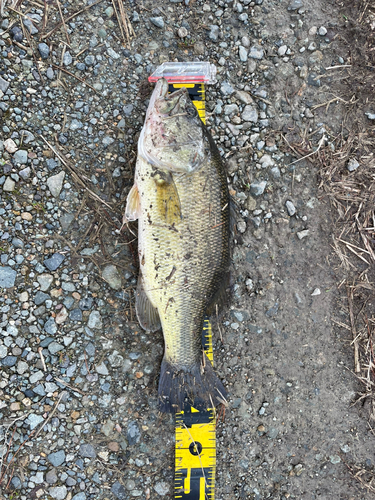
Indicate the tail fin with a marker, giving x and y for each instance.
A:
(196, 386)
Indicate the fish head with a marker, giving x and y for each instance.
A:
(173, 137)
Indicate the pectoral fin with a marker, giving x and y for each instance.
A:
(169, 205)
(147, 314)
(133, 205)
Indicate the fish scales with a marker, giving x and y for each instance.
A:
(183, 245)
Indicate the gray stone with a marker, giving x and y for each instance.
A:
(85, 304)
(95, 320)
(303, 234)
(290, 208)
(352, 165)
(16, 482)
(87, 450)
(295, 4)
(275, 172)
(370, 116)
(75, 124)
(40, 298)
(17, 243)
(214, 32)
(75, 315)
(50, 74)
(55, 183)
(34, 420)
(79, 496)
(50, 326)
(256, 52)
(57, 458)
(102, 369)
(27, 136)
(67, 59)
(322, 31)
(43, 50)
(111, 275)
(229, 109)
(35, 377)
(161, 488)
(45, 281)
(257, 188)
(112, 53)
(250, 113)
(51, 476)
(128, 109)
(54, 262)
(9, 185)
(251, 66)
(22, 367)
(157, 21)
(55, 347)
(25, 173)
(9, 361)
(7, 277)
(242, 52)
(119, 491)
(133, 434)
(58, 492)
(226, 89)
(20, 156)
(244, 97)
(31, 27)
(3, 85)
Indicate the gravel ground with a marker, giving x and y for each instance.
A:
(78, 385)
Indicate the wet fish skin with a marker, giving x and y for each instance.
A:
(183, 245)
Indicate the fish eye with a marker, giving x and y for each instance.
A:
(191, 111)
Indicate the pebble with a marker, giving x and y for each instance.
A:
(257, 188)
(242, 52)
(133, 434)
(256, 52)
(214, 32)
(316, 292)
(7, 277)
(95, 320)
(57, 458)
(51, 476)
(157, 21)
(9, 185)
(162, 488)
(290, 208)
(113, 54)
(58, 492)
(87, 450)
(45, 281)
(303, 234)
(55, 183)
(10, 146)
(34, 420)
(322, 31)
(352, 165)
(182, 32)
(370, 116)
(54, 262)
(67, 60)
(119, 491)
(295, 4)
(250, 113)
(43, 50)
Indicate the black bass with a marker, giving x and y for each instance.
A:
(180, 198)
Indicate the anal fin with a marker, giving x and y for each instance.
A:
(147, 314)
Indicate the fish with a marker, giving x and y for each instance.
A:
(181, 200)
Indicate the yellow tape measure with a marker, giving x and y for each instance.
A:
(198, 96)
(195, 462)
